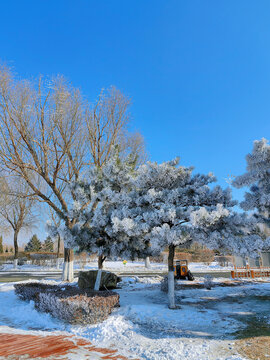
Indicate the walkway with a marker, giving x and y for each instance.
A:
(53, 347)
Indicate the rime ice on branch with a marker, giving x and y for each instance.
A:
(257, 178)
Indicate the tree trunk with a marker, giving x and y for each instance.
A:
(58, 246)
(147, 262)
(58, 252)
(68, 274)
(98, 280)
(16, 250)
(101, 260)
(171, 277)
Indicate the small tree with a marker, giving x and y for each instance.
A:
(16, 208)
(104, 193)
(34, 244)
(1, 245)
(48, 244)
(11, 249)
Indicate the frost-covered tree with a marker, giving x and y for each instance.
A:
(257, 178)
(257, 198)
(170, 206)
(229, 231)
(160, 209)
(105, 193)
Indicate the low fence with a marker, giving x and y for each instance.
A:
(245, 267)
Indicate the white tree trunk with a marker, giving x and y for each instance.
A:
(98, 280)
(171, 290)
(15, 263)
(147, 263)
(68, 274)
(58, 263)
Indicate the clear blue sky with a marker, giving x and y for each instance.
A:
(198, 72)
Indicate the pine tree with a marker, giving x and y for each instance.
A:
(257, 178)
(48, 244)
(34, 244)
(167, 206)
(1, 245)
(103, 192)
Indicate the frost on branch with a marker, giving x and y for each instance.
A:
(257, 199)
(106, 224)
(257, 178)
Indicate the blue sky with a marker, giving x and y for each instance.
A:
(198, 72)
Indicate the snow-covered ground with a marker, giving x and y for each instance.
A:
(135, 266)
(204, 327)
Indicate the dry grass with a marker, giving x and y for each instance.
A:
(257, 348)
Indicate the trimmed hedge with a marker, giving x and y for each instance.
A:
(69, 303)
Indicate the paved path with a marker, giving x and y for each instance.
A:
(53, 347)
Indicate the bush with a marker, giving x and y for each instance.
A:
(69, 303)
(30, 291)
(79, 309)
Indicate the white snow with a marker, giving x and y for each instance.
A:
(131, 266)
(144, 327)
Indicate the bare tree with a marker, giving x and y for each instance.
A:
(107, 123)
(16, 208)
(49, 134)
(42, 140)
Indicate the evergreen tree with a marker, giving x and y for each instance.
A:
(34, 244)
(257, 199)
(11, 249)
(1, 245)
(6, 250)
(161, 208)
(101, 195)
(48, 244)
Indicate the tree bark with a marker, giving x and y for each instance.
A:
(147, 262)
(58, 252)
(16, 249)
(68, 274)
(15, 241)
(101, 260)
(171, 296)
(58, 246)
